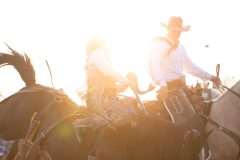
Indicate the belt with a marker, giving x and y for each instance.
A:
(176, 84)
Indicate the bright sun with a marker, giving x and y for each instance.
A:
(128, 25)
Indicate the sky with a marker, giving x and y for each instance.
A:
(59, 30)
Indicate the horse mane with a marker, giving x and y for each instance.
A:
(22, 63)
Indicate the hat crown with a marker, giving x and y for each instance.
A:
(175, 22)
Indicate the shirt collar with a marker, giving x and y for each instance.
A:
(172, 43)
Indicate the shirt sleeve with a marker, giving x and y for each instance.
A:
(192, 68)
(156, 53)
(99, 59)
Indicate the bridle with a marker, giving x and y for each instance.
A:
(30, 145)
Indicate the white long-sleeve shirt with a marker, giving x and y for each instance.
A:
(99, 60)
(165, 67)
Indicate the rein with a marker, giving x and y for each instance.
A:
(229, 89)
(50, 72)
(223, 86)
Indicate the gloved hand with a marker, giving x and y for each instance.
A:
(162, 93)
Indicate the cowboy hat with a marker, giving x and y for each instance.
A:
(96, 42)
(175, 24)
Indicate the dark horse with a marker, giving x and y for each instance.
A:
(44, 116)
(56, 114)
(152, 139)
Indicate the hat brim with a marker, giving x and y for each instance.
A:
(180, 29)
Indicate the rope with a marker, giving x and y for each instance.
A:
(229, 89)
(50, 73)
(218, 69)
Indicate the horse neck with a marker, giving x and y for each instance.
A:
(57, 112)
(21, 106)
(228, 96)
(15, 115)
(226, 109)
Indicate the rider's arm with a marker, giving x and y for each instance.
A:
(105, 67)
(192, 68)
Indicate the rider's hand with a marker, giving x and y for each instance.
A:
(216, 80)
(162, 93)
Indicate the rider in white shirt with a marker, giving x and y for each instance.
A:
(103, 81)
(165, 67)
(167, 61)
(103, 85)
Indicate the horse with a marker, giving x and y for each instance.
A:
(43, 117)
(224, 119)
(56, 112)
(221, 114)
(166, 142)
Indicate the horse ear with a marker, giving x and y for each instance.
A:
(203, 137)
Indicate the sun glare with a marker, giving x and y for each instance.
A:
(128, 25)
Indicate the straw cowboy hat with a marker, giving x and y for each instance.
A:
(96, 42)
(175, 24)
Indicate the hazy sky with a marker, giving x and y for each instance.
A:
(58, 31)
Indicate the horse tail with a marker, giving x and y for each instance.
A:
(22, 63)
